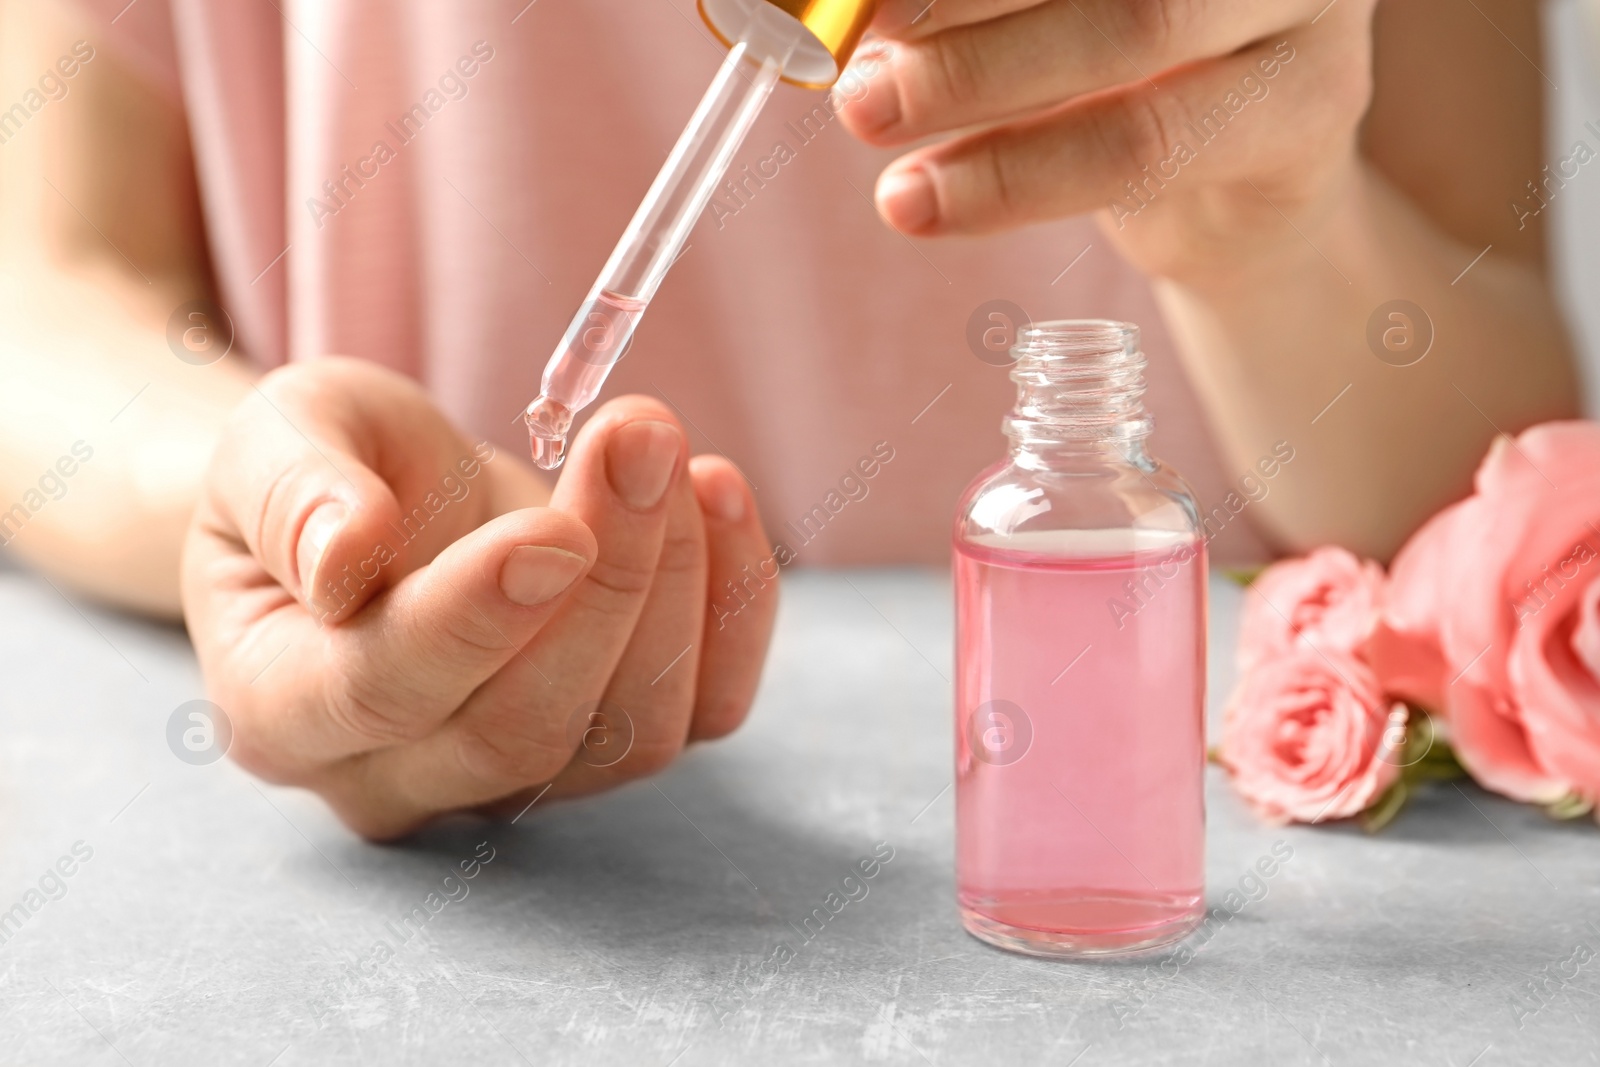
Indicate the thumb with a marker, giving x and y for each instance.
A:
(289, 483)
(342, 547)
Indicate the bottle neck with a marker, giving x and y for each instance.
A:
(1080, 390)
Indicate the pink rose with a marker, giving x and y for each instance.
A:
(1309, 736)
(1405, 647)
(1328, 599)
(1491, 617)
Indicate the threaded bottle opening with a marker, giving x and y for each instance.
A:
(1087, 339)
(1078, 381)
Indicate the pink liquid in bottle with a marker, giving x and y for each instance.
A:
(1080, 748)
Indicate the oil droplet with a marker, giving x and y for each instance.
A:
(548, 422)
(548, 452)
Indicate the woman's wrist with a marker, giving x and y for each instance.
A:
(1262, 241)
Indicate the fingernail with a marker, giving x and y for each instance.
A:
(907, 199)
(640, 460)
(873, 101)
(533, 574)
(722, 498)
(315, 536)
(897, 16)
(868, 89)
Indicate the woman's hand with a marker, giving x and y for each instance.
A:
(1282, 180)
(390, 616)
(1192, 127)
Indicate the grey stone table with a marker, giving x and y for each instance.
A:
(210, 919)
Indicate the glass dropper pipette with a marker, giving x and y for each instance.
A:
(600, 331)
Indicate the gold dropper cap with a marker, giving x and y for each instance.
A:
(833, 29)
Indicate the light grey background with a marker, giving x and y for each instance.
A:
(218, 917)
(1572, 70)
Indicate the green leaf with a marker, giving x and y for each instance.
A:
(1382, 813)
(1427, 757)
(1242, 576)
(1571, 806)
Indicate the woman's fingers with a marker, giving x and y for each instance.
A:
(390, 634)
(742, 581)
(913, 19)
(514, 730)
(290, 490)
(1041, 55)
(642, 722)
(461, 674)
(340, 477)
(1136, 146)
(743, 586)
(404, 664)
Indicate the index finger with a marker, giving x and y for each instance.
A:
(911, 19)
(1043, 55)
(407, 661)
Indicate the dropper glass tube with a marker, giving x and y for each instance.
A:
(600, 331)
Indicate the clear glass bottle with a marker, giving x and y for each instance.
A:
(1080, 577)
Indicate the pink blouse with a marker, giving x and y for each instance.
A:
(433, 184)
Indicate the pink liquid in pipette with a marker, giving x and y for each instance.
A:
(596, 339)
(1088, 835)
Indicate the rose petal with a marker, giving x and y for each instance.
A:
(1486, 611)
(1476, 616)
(1559, 701)
(1586, 635)
(1328, 600)
(1561, 452)
(1405, 648)
(1540, 498)
(1303, 736)
(1494, 748)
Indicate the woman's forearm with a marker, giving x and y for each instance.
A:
(1280, 351)
(104, 430)
(104, 436)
